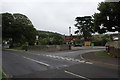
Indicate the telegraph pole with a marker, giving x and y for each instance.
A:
(70, 38)
(69, 30)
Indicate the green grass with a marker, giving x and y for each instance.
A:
(4, 77)
(17, 48)
(102, 54)
(0, 74)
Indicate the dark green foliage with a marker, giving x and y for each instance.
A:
(50, 38)
(18, 28)
(7, 21)
(102, 41)
(84, 25)
(109, 17)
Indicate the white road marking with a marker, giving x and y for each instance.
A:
(37, 61)
(76, 75)
(88, 62)
(68, 59)
(57, 56)
(7, 76)
(50, 55)
(77, 60)
(65, 65)
(47, 55)
(72, 59)
(54, 56)
(62, 58)
(82, 61)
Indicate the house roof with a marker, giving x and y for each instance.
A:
(114, 34)
(69, 38)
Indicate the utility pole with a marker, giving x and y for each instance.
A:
(69, 30)
(70, 38)
(37, 39)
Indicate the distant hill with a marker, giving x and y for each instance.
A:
(46, 34)
(50, 38)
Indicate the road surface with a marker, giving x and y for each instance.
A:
(62, 64)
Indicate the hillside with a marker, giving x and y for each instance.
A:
(49, 38)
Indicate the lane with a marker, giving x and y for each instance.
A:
(71, 54)
(93, 71)
(32, 65)
(18, 66)
(14, 65)
(54, 73)
(54, 62)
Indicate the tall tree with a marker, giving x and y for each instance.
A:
(18, 27)
(108, 19)
(26, 28)
(7, 21)
(84, 26)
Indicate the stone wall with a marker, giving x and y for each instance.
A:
(113, 48)
(5, 46)
(49, 47)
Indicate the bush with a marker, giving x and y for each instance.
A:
(100, 43)
(25, 46)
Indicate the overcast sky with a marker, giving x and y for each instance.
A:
(52, 15)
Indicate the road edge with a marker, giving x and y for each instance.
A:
(97, 62)
(6, 75)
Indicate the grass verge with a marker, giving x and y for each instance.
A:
(17, 48)
(0, 74)
(103, 54)
(4, 77)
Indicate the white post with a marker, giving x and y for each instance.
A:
(108, 18)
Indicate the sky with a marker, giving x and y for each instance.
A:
(52, 15)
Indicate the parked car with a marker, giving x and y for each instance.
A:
(78, 45)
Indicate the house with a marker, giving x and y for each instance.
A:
(5, 44)
(74, 39)
(115, 37)
(71, 39)
(87, 43)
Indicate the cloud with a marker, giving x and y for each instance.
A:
(53, 0)
(52, 15)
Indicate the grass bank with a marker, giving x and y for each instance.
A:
(2, 76)
(103, 54)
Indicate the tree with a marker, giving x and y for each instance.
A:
(7, 21)
(57, 39)
(50, 38)
(19, 28)
(108, 20)
(84, 26)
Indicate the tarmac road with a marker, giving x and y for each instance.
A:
(64, 64)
